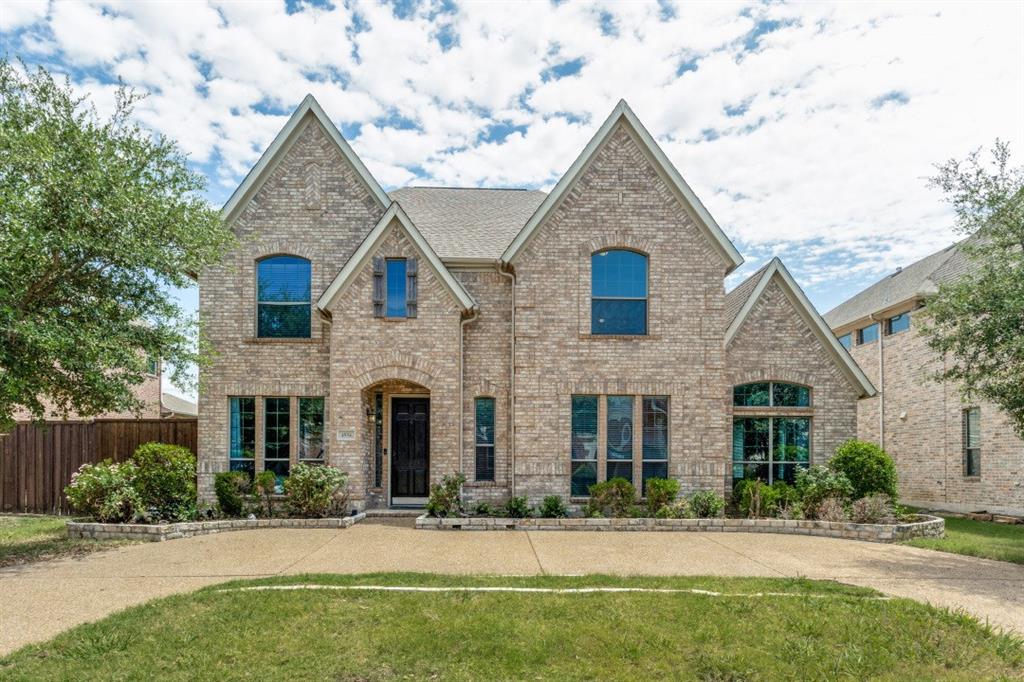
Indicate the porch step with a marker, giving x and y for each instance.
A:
(393, 513)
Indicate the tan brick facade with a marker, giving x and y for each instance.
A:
(775, 344)
(314, 204)
(923, 429)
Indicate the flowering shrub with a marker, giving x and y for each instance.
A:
(818, 483)
(677, 509)
(315, 490)
(829, 509)
(105, 491)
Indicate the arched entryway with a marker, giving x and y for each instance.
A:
(398, 428)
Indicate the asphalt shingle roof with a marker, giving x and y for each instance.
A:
(918, 279)
(735, 299)
(465, 222)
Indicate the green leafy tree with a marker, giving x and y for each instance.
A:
(977, 321)
(98, 218)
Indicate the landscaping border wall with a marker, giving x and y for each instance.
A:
(173, 531)
(928, 526)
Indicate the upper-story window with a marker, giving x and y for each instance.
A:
(868, 334)
(897, 324)
(283, 297)
(394, 287)
(846, 340)
(618, 291)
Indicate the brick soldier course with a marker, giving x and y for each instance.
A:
(499, 307)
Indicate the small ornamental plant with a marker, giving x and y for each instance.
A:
(315, 490)
(552, 507)
(707, 504)
(660, 492)
(517, 508)
(615, 498)
(446, 497)
(231, 487)
(105, 491)
(264, 485)
(819, 483)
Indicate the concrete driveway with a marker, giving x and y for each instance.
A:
(40, 600)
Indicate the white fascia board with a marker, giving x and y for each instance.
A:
(622, 111)
(281, 144)
(369, 245)
(810, 314)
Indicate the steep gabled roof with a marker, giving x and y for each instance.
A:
(916, 281)
(468, 223)
(281, 144)
(622, 113)
(748, 296)
(369, 245)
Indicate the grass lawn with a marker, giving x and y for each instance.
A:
(815, 630)
(37, 538)
(985, 539)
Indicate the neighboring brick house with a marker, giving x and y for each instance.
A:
(536, 342)
(148, 392)
(950, 455)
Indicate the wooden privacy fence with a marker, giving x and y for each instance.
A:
(36, 462)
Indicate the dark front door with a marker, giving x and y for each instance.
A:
(410, 446)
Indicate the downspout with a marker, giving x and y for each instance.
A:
(511, 384)
(462, 389)
(881, 382)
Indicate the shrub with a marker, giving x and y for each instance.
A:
(517, 508)
(706, 504)
(231, 488)
(755, 499)
(829, 509)
(314, 490)
(818, 483)
(552, 507)
(446, 497)
(165, 478)
(661, 492)
(264, 484)
(613, 498)
(484, 509)
(869, 468)
(876, 508)
(106, 492)
(677, 509)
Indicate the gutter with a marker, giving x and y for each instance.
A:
(506, 271)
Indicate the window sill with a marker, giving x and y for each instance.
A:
(620, 337)
(483, 484)
(272, 341)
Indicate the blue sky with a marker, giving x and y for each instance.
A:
(806, 129)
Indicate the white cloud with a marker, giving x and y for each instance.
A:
(807, 165)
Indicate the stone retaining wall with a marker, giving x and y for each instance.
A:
(172, 531)
(926, 526)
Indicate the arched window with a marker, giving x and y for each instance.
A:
(773, 446)
(283, 297)
(618, 291)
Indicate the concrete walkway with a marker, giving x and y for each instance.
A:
(38, 601)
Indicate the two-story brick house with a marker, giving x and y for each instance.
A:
(949, 454)
(536, 342)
